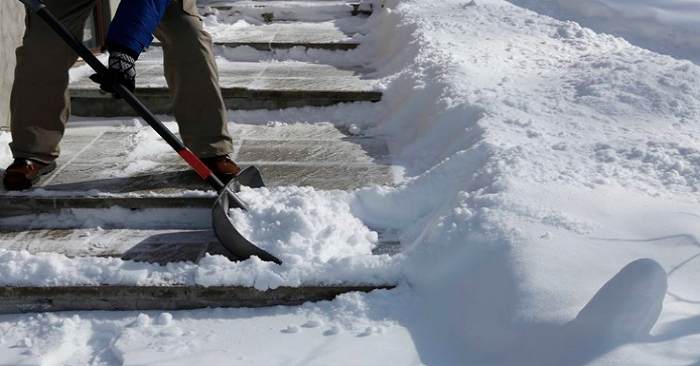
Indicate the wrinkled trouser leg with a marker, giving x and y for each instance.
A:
(193, 80)
(40, 103)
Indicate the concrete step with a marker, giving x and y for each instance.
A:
(336, 35)
(102, 167)
(245, 85)
(341, 34)
(160, 246)
(109, 298)
(284, 10)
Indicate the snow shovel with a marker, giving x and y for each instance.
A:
(227, 234)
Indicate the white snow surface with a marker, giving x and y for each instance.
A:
(667, 26)
(322, 334)
(302, 225)
(548, 215)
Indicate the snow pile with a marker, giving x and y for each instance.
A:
(301, 225)
(666, 26)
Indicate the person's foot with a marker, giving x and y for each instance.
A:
(24, 173)
(223, 167)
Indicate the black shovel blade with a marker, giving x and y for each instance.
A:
(249, 177)
(227, 234)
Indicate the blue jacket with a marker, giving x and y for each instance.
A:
(134, 23)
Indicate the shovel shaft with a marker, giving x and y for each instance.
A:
(193, 161)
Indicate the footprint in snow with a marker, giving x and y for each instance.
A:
(333, 331)
(312, 324)
(291, 329)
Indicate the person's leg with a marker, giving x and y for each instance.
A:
(193, 79)
(40, 103)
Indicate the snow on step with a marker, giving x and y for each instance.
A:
(284, 10)
(245, 85)
(323, 35)
(160, 246)
(343, 34)
(101, 167)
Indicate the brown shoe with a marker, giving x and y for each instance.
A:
(223, 167)
(24, 173)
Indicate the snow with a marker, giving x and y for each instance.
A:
(250, 336)
(666, 26)
(252, 11)
(302, 225)
(48, 269)
(548, 215)
(5, 153)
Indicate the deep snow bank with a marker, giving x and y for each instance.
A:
(541, 158)
(666, 26)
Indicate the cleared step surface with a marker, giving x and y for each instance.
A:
(101, 167)
(284, 10)
(51, 299)
(245, 85)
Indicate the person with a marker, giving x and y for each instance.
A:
(40, 101)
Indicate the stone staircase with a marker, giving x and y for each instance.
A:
(257, 85)
(97, 178)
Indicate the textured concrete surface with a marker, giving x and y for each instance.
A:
(245, 85)
(97, 159)
(86, 298)
(11, 30)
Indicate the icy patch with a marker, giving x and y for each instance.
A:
(300, 224)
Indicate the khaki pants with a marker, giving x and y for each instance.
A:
(40, 102)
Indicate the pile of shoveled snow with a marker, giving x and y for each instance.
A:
(301, 224)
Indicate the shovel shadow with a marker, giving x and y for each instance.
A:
(182, 246)
(151, 182)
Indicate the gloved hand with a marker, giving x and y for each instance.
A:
(121, 69)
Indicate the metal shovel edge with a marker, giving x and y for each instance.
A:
(224, 229)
